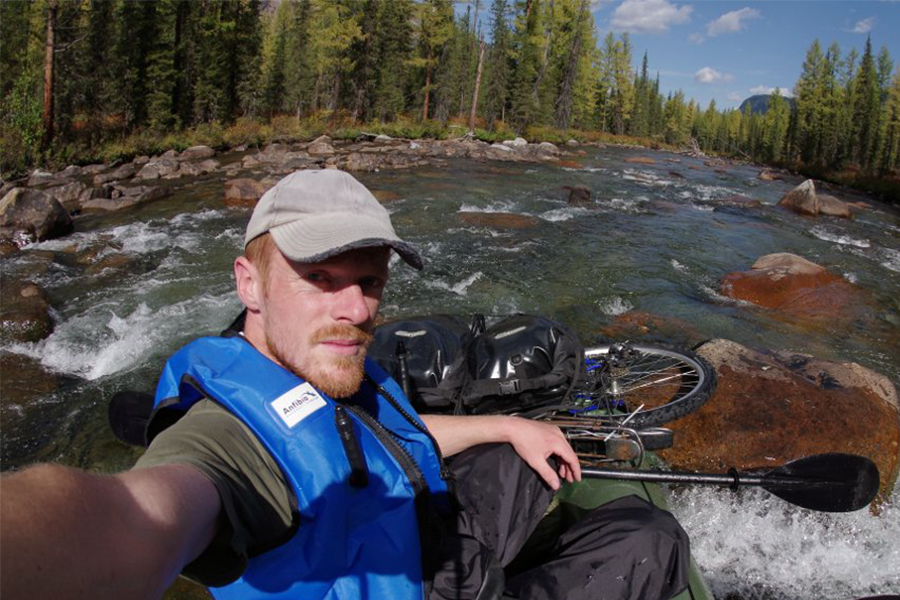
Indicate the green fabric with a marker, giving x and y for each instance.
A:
(256, 502)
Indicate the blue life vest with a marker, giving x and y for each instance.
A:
(354, 540)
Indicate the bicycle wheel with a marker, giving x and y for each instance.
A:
(667, 384)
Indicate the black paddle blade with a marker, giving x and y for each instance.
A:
(825, 482)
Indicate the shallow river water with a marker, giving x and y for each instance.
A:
(652, 243)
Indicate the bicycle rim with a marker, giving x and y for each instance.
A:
(668, 384)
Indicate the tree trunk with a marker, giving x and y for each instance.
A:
(475, 92)
(427, 87)
(48, 74)
(565, 100)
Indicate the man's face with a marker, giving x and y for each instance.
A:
(318, 317)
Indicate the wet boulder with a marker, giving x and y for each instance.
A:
(499, 220)
(769, 175)
(579, 195)
(31, 215)
(244, 192)
(802, 199)
(24, 313)
(791, 284)
(640, 160)
(771, 407)
(831, 206)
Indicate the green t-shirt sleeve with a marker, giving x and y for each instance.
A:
(257, 504)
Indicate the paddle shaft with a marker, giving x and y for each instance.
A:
(732, 479)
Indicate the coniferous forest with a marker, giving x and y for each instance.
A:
(88, 80)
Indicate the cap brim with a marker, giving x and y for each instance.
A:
(318, 238)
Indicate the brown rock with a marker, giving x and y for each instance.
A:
(499, 219)
(831, 206)
(640, 160)
(7, 247)
(793, 285)
(109, 204)
(116, 261)
(579, 195)
(570, 164)
(25, 313)
(773, 407)
(636, 324)
(24, 382)
(32, 215)
(198, 152)
(767, 175)
(244, 192)
(676, 175)
(802, 199)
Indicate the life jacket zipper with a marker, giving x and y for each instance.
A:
(386, 437)
(446, 474)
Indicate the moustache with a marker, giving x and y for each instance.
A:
(342, 332)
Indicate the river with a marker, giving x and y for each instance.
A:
(651, 243)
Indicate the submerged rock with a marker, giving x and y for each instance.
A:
(579, 195)
(773, 407)
(498, 219)
(640, 160)
(24, 313)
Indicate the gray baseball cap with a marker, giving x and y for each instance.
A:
(316, 214)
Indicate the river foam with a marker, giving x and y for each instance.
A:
(755, 545)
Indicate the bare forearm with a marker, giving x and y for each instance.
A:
(455, 434)
(73, 534)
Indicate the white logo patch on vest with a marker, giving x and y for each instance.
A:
(298, 403)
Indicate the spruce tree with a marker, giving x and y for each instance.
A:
(498, 70)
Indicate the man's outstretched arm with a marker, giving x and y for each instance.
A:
(534, 441)
(71, 534)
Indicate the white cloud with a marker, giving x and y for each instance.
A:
(710, 75)
(765, 89)
(735, 97)
(649, 16)
(731, 22)
(864, 26)
(696, 38)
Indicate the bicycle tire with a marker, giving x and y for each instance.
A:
(668, 383)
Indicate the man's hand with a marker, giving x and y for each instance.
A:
(534, 441)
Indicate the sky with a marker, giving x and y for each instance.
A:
(730, 50)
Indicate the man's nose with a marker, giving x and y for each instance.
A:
(350, 305)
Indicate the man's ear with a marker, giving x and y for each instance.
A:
(249, 285)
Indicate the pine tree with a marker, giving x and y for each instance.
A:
(436, 18)
(865, 109)
(498, 71)
(528, 39)
(393, 52)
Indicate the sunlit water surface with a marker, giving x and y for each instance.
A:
(652, 243)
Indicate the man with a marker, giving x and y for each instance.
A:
(289, 466)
